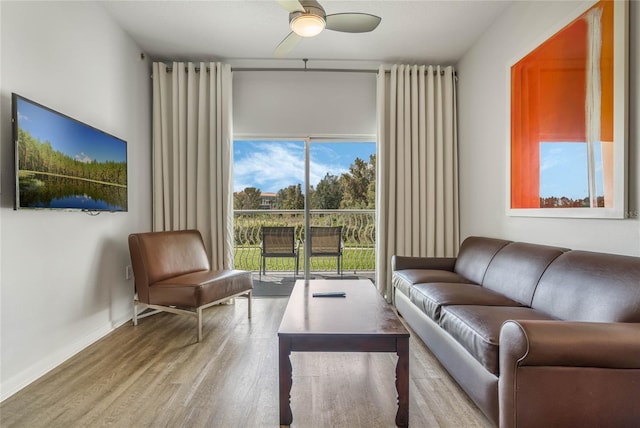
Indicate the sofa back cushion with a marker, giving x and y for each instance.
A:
(475, 255)
(164, 255)
(517, 268)
(593, 287)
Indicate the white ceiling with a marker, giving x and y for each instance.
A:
(418, 31)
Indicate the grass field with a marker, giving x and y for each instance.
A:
(354, 259)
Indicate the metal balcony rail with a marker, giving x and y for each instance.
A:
(358, 236)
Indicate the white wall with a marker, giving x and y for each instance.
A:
(63, 273)
(300, 104)
(483, 113)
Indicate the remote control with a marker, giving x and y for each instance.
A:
(330, 294)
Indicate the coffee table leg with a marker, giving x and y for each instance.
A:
(402, 381)
(285, 373)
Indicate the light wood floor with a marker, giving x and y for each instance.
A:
(156, 375)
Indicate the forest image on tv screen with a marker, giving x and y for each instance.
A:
(65, 164)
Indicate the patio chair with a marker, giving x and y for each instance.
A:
(327, 242)
(279, 242)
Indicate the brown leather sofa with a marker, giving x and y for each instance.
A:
(537, 336)
(172, 273)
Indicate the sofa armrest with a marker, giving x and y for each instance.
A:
(579, 344)
(437, 263)
(559, 373)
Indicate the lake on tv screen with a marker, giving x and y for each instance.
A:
(46, 191)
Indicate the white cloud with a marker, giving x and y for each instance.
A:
(271, 166)
(83, 157)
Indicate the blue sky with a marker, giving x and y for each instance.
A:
(274, 165)
(69, 136)
(563, 170)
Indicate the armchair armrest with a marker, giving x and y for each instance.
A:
(438, 263)
(560, 373)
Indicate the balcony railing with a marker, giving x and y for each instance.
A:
(358, 236)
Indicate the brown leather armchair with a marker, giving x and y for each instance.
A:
(172, 273)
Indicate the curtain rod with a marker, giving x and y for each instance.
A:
(322, 70)
(328, 70)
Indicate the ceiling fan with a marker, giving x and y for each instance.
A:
(307, 19)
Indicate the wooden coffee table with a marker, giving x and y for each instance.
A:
(362, 321)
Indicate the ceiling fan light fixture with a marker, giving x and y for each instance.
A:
(307, 25)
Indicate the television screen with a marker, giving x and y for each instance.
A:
(62, 163)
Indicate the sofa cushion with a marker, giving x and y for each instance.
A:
(199, 288)
(477, 328)
(595, 287)
(516, 269)
(475, 255)
(404, 279)
(430, 298)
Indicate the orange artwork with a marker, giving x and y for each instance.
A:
(562, 117)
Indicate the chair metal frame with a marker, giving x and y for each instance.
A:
(143, 310)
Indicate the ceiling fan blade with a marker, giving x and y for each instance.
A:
(291, 5)
(352, 22)
(287, 45)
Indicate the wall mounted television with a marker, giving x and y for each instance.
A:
(62, 163)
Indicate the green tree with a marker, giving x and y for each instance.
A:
(328, 193)
(358, 185)
(238, 198)
(41, 157)
(247, 199)
(290, 198)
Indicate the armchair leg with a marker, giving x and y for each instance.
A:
(199, 323)
(249, 300)
(135, 312)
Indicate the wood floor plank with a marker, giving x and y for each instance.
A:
(155, 374)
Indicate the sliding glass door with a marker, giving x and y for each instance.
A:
(315, 186)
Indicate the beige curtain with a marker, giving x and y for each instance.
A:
(192, 157)
(417, 166)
